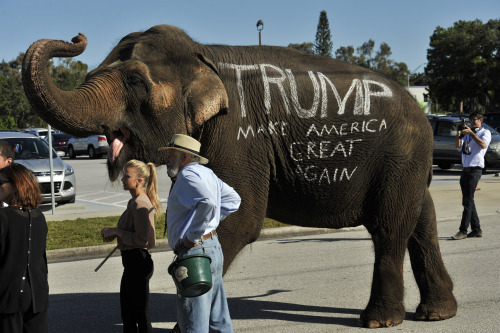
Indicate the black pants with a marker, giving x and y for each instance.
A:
(134, 290)
(25, 321)
(468, 183)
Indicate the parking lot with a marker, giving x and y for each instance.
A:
(97, 196)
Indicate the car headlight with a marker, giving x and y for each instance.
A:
(494, 146)
(69, 170)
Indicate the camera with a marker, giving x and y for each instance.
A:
(461, 125)
(466, 149)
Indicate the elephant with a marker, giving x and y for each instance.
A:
(304, 139)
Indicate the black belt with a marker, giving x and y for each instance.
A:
(472, 168)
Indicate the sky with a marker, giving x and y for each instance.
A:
(404, 25)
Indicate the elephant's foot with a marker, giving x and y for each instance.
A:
(434, 312)
(376, 317)
(378, 324)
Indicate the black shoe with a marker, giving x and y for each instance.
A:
(459, 235)
(474, 233)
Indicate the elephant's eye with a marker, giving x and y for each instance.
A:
(135, 79)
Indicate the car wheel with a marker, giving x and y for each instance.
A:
(71, 152)
(445, 165)
(92, 153)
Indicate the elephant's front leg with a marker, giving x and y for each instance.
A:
(385, 308)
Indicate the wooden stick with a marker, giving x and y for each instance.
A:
(107, 257)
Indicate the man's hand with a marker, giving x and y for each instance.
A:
(188, 244)
(467, 130)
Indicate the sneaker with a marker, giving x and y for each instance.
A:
(459, 235)
(474, 233)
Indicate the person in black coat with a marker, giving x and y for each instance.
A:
(24, 288)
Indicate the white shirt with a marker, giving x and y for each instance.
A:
(476, 158)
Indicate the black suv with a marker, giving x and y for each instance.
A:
(445, 153)
(492, 119)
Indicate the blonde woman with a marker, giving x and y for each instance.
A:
(135, 236)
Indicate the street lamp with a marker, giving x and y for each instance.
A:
(260, 26)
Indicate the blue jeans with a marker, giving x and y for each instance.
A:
(208, 312)
(468, 183)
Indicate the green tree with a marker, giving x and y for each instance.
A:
(323, 44)
(463, 66)
(365, 53)
(67, 75)
(304, 47)
(346, 53)
(381, 62)
(13, 102)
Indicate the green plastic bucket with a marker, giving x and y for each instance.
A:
(192, 274)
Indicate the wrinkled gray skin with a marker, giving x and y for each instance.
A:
(304, 139)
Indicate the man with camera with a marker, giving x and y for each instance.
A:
(473, 143)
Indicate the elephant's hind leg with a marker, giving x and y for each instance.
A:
(385, 307)
(436, 288)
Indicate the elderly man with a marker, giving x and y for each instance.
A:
(198, 201)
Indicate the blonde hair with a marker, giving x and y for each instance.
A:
(148, 172)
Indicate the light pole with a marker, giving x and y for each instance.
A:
(260, 26)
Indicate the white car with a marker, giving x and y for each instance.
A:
(39, 131)
(94, 146)
(33, 152)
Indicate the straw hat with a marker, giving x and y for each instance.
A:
(186, 144)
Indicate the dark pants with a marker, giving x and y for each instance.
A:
(134, 290)
(468, 183)
(25, 321)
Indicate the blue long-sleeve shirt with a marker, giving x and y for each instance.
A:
(199, 200)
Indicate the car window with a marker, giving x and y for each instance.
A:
(433, 125)
(29, 148)
(446, 128)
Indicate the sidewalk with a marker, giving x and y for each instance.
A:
(447, 200)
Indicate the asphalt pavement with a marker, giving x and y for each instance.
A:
(291, 282)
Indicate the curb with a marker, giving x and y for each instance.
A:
(101, 251)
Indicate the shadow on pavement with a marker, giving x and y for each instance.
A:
(85, 313)
(254, 307)
(320, 240)
(100, 312)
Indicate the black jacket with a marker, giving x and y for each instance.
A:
(16, 251)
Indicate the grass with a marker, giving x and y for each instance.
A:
(87, 232)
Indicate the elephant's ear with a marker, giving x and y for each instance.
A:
(206, 95)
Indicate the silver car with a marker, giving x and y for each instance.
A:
(33, 152)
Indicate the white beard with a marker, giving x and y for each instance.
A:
(172, 171)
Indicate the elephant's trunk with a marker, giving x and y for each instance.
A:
(82, 111)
